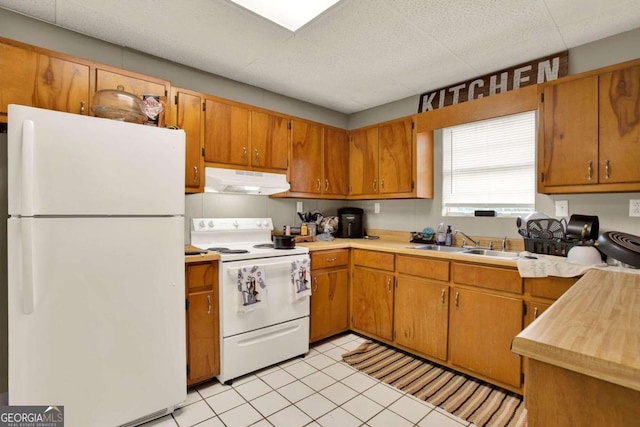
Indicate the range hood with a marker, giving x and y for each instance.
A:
(230, 181)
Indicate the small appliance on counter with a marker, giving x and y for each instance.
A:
(350, 223)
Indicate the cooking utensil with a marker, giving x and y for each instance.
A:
(117, 104)
(620, 246)
(583, 227)
(284, 242)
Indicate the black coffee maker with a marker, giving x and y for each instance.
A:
(350, 223)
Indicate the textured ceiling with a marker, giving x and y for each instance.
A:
(358, 54)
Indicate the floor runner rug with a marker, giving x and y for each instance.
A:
(465, 397)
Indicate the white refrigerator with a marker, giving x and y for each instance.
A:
(95, 267)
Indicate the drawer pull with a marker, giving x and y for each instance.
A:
(590, 170)
(606, 169)
(195, 174)
(318, 184)
(389, 284)
(209, 302)
(456, 300)
(442, 296)
(332, 259)
(315, 284)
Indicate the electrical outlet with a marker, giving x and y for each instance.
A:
(562, 208)
(299, 207)
(376, 207)
(634, 207)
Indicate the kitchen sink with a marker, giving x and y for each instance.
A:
(438, 248)
(491, 253)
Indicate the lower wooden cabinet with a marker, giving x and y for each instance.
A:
(481, 329)
(421, 306)
(329, 293)
(372, 291)
(203, 332)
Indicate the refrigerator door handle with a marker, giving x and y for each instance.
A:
(27, 265)
(28, 135)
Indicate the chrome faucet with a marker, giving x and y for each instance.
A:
(464, 242)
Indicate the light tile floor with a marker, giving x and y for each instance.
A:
(317, 390)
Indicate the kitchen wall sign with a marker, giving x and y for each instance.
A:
(538, 71)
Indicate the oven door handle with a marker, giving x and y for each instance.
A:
(233, 271)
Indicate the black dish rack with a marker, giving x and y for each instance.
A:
(558, 247)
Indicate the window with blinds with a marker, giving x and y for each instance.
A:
(490, 164)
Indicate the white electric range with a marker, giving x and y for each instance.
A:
(262, 319)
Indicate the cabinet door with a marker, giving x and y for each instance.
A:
(203, 336)
(189, 118)
(136, 84)
(306, 154)
(481, 329)
(62, 85)
(396, 157)
(329, 303)
(363, 161)
(421, 314)
(570, 138)
(534, 310)
(619, 126)
(372, 302)
(336, 162)
(226, 135)
(269, 141)
(17, 74)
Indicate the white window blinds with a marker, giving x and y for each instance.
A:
(490, 164)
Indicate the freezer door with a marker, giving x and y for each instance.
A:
(104, 331)
(68, 164)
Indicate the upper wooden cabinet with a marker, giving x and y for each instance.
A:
(131, 82)
(39, 80)
(236, 136)
(269, 140)
(383, 161)
(319, 160)
(188, 112)
(589, 132)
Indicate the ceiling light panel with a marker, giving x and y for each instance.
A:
(290, 14)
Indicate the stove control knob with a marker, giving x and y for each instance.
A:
(258, 224)
(210, 224)
(201, 224)
(236, 224)
(265, 223)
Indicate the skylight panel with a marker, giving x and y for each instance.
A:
(290, 14)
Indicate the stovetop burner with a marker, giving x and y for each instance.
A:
(228, 251)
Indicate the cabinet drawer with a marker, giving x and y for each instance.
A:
(373, 259)
(328, 259)
(424, 267)
(201, 276)
(499, 279)
(549, 287)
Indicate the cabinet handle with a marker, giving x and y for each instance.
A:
(318, 185)
(375, 185)
(389, 284)
(209, 302)
(331, 259)
(326, 185)
(442, 296)
(257, 156)
(382, 184)
(244, 154)
(315, 284)
(590, 170)
(195, 174)
(606, 169)
(535, 313)
(81, 107)
(456, 300)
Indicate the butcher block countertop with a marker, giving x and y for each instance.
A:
(593, 329)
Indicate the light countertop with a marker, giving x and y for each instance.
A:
(593, 329)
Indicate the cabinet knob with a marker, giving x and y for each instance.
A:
(82, 107)
(606, 169)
